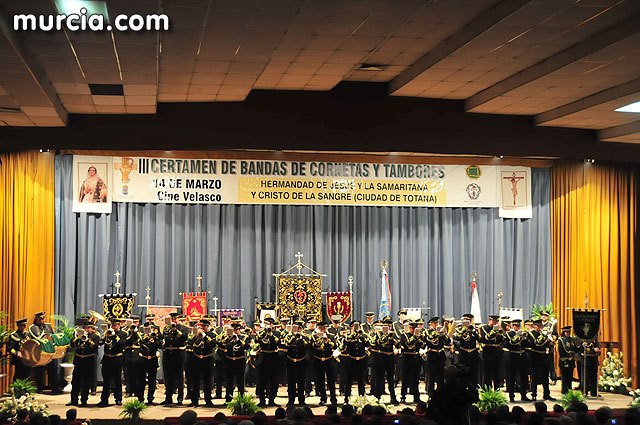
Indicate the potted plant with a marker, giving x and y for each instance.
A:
(243, 404)
(5, 332)
(489, 399)
(537, 308)
(132, 410)
(62, 325)
(22, 396)
(20, 387)
(571, 396)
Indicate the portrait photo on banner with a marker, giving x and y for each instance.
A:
(92, 183)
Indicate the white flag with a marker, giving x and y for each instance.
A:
(475, 303)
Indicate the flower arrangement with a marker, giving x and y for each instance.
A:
(636, 398)
(359, 401)
(11, 406)
(612, 377)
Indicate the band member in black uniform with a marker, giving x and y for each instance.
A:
(322, 348)
(410, 345)
(592, 350)
(220, 357)
(567, 362)
(515, 361)
(296, 345)
(449, 349)
(398, 329)
(173, 354)
(150, 342)
(384, 345)
(466, 338)
(435, 339)
(336, 325)
(131, 356)
(20, 370)
(235, 344)
(266, 349)
(354, 355)
(491, 337)
(114, 340)
(539, 345)
(309, 373)
(204, 343)
(38, 330)
(367, 326)
(550, 329)
(189, 358)
(86, 343)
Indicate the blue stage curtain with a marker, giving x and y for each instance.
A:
(236, 248)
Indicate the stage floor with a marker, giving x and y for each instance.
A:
(57, 404)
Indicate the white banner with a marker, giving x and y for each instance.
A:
(222, 181)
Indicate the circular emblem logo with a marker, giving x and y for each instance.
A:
(473, 191)
(300, 296)
(473, 172)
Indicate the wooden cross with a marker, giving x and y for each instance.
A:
(199, 282)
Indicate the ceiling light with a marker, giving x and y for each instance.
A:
(632, 107)
(93, 7)
(372, 67)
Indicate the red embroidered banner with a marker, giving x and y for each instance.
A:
(339, 303)
(194, 305)
(161, 312)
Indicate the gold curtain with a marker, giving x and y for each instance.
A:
(27, 229)
(593, 234)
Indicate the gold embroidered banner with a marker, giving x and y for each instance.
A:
(339, 303)
(194, 305)
(300, 296)
(117, 305)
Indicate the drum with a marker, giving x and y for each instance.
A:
(33, 353)
(40, 351)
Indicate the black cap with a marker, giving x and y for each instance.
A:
(256, 323)
(402, 311)
(322, 323)
(193, 322)
(413, 324)
(387, 321)
(544, 313)
(269, 320)
(434, 319)
(182, 316)
(312, 319)
(369, 314)
(150, 316)
(537, 322)
(494, 316)
(148, 323)
(174, 314)
(387, 317)
(21, 322)
(236, 325)
(566, 329)
(467, 316)
(355, 322)
(41, 315)
(378, 323)
(285, 320)
(204, 322)
(135, 317)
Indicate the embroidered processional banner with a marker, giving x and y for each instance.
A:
(117, 305)
(300, 296)
(160, 312)
(339, 303)
(194, 305)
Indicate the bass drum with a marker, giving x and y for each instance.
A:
(33, 355)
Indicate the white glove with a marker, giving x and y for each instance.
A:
(336, 353)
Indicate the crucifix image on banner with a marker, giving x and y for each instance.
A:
(299, 294)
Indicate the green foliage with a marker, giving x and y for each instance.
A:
(21, 387)
(132, 409)
(570, 397)
(489, 399)
(69, 332)
(243, 404)
(5, 332)
(537, 308)
(612, 377)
